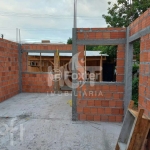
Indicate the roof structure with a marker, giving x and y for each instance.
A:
(88, 53)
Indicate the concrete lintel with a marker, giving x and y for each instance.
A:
(47, 51)
(102, 42)
(139, 34)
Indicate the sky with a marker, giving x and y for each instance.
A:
(49, 19)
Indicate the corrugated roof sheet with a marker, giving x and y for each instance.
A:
(88, 53)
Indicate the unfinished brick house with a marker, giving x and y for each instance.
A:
(14, 77)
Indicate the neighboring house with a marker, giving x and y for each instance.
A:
(40, 62)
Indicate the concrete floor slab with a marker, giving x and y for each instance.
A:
(46, 120)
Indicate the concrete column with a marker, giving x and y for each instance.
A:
(20, 67)
(128, 72)
(74, 71)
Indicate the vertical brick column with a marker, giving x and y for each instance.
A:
(120, 63)
(144, 77)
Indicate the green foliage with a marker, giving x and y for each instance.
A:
(135, 69)
(90, 47)
(136, 47)
(109, 50)
(135, 91)
(122, 13)
(69, 41)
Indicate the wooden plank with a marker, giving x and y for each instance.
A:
(134, 113)
(138, 134)
(61, 82)
(148, 138)
(131, 104)
(135, 130)
(117, 147)
(142, 134)
(56, 68)
(51, 62)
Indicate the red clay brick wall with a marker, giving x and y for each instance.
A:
(106, 102)
(140, 23)
(24, 61)
(41, 47)
(101, 33)
(36, 83)
(9, 69)
(120, 63)
(46, 47)
(144, 79)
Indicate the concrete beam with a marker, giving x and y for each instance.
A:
(102, 42)
(47, 51)
(139, 34)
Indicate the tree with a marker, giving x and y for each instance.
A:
(69, 41)
(122, 13)
(90, 47)
(136, 47)
(135, 85)
(109, 50)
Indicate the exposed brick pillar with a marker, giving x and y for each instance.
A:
(144, 77)
(120, 63)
